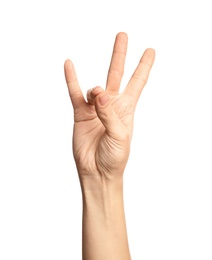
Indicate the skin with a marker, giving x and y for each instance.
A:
(103, 127)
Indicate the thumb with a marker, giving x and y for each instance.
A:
(107, 115)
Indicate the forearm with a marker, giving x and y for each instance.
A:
(101, 145)
(104, 226)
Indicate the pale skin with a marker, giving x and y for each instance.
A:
(103, 127)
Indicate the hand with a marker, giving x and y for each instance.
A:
(104, 124)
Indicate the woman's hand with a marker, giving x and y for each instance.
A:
(104, 124)
(101, 145)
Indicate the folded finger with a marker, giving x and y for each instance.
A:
(92, 93)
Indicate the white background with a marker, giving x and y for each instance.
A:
(168, 194)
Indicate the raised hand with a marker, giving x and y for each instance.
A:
(101, 145)
(104, 123)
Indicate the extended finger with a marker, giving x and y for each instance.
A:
(75, 92)
(116, 69)
(140, 75)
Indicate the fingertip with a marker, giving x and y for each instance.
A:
(122, 35)
(68, 64)
(148, 56)
(69, 70)
(93, 93)
(103, 99)
(98, 96)
(96, 91)
(150, 52)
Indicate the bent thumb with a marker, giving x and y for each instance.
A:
(107, 115)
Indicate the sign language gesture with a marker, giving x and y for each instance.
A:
(103, 128)
(104, 123)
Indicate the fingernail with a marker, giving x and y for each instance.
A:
(103, 100)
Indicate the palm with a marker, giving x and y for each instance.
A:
(91, 138)
(96, 147)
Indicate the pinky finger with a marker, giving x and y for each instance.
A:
(75, 92)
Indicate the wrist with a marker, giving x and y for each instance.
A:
(96, 184)
(104, 219)
(104, 197)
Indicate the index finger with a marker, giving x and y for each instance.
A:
(141, 74)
